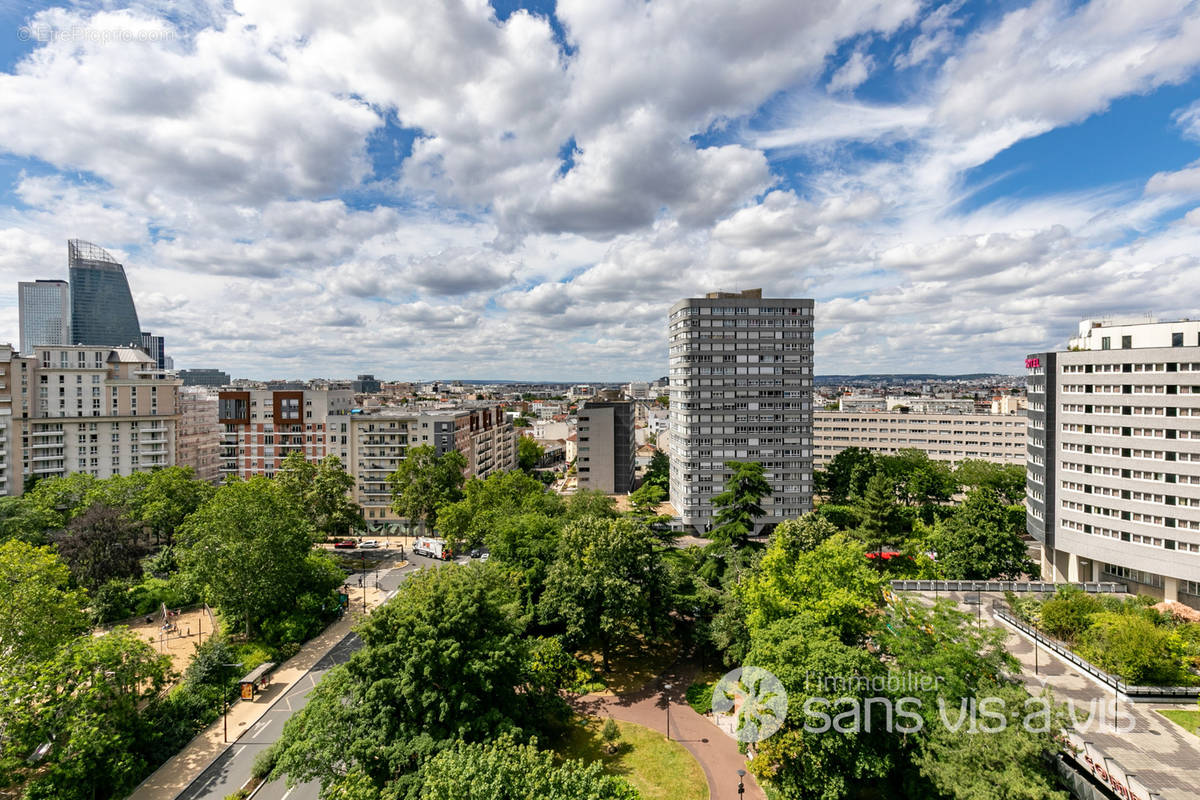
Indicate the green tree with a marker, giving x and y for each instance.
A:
(246, 549)
(507, 770)
(529, 453)
(425, 481)
(171, 495)
(295, 478)
(920, 481)
(487, 503)
(591, 503)
(658, 472)
(1006, 480)
(980, 541)
(802, 761)
(804, 534)
(443, 661)
(61, 499)
(607, 585)
(21, 519)
(102, 544)
(844, 478)
(740, 505)
(321, 491)
(85, 702)
(1069, 612)
(877, 510)
(39, 612)
(833, 586)
(644, 502)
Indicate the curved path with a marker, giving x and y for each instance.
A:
(715, 750)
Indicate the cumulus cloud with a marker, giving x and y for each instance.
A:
(253, 170)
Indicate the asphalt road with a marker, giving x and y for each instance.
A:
(231, 771)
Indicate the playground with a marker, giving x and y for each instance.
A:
(174, 632)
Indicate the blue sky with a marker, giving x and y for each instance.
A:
(521, 190)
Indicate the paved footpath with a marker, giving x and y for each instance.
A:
(1164, 757)
(716, 751)
(178, 772)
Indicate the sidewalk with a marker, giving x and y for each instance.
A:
(714, 749)
(180, 770)
(1164, 757)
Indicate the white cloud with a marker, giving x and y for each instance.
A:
(851, 74)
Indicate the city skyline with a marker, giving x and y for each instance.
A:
(930, 175)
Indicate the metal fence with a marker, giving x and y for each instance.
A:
(1147, 693)
(1003, 586)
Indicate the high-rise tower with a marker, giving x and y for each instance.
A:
(44, 307)
(102, 310)
(741, 390)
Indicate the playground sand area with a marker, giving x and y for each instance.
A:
(184, 630)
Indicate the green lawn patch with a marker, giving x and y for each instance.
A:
(1188, 720)
(659, 769)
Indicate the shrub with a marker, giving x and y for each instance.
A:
(1069, 613)
(699, 696)
(264, 762)
(844, 518)
(611, 735)
(1136, 649)
(110, 602)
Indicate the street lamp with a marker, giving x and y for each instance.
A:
(666, 693)
(741, 786)
(225, 704)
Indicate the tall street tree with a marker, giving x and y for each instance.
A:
(529, 452)
(877, 510)
(607, 585)
(424, 481)
(740, 505)
(245, 550)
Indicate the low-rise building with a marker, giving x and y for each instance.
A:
(950, 437)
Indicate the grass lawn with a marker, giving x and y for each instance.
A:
(1188, 720)
(659, 769)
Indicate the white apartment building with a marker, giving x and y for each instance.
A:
(103, 411)
(740, 390)
(1113, 462)
(944, 437)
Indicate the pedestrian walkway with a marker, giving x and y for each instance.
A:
(715, 750)
(1164, 757)
(180, 770)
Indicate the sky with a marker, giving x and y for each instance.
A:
(521, 190)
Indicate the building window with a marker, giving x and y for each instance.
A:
(1126, 342)
(1105, 342)
(1176, 340)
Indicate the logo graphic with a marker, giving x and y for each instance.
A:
(757, 697)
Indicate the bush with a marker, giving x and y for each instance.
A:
(110, 602)
(1136, 649)
(699, 697)
(1069, 612)
(264, 762)
(151, 594)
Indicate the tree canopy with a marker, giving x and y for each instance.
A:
(981, 540)
(739, 507)
(425, 481)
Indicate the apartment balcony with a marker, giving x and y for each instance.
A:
(49, 469)
(50, 456)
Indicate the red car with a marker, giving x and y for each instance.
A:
(345, 544)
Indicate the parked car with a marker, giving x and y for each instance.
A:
(345, 544)
(476, 553)
(369, 544)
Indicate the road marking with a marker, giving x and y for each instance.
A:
(259, 728)
(288, 793)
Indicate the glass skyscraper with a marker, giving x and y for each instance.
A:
(44, 308)
(102, 311)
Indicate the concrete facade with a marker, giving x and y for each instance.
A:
(260, 427)
(740, 390)
(999, 438)
(607, 451)
(1113, 471)
(198, 438)
(103, 411)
